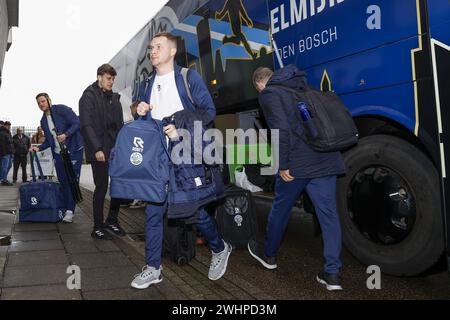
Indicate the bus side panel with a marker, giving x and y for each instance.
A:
(357, 46)
(439, 21)
(226, 41)
(369, 71)
(343, 29)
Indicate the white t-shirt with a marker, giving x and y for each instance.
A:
(165, 97)
(51, 126)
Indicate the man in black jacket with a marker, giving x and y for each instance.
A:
(21, 146)
(6, 151)
(101, 119)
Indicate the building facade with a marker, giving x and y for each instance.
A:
(9, 17)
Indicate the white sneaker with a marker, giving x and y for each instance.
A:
(137, 204)
(219, 263)
(68, 218)
(147, 277)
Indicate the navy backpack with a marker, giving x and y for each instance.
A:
(41, 201)
(139, 162)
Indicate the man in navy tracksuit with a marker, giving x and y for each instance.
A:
(300, 168)
(62, 126)
(165, 95)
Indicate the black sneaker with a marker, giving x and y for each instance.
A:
(332, 281)
(6, 183)
(116, 229)
(101, 234)
(257, 252)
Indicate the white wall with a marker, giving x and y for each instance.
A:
(3, 31)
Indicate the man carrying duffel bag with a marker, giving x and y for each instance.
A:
(41, 201)
(62, 126)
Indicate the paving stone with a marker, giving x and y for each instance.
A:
(107, 278)
(75, 228)
(37, 258)
(35, 275)
(191, 293)
(2, 267)
(3, 251)
(44, 245)
(99, 260)
(170, 291)
(7, 218)
(52, 292)
(35, 235)
(5, 231)
(75, 247)
(106, 246)
(26, 227)
(76, 236)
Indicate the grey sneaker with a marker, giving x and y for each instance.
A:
(147, 277)
(68, 218)
(219, 263)
(257, 251)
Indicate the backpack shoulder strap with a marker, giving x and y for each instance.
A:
(284, 88)
(185, 73)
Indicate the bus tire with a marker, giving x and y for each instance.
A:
(425, 243)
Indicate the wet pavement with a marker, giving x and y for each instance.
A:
(34, 266)
(299, 261)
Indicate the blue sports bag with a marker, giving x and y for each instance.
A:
(139, 163)
(41, 201)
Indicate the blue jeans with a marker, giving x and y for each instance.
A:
(11, 157)
(154, 233)
(77, 160)
(322, 192)
(6, 162)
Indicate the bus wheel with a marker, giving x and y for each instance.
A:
(390, 206)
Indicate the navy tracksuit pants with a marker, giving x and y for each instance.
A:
(77, 160)
(322, 192)
(154, 233)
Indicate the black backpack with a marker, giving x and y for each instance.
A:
(332, 123)
(236, 217)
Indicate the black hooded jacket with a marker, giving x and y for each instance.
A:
(6, 143)
(101, 118)
(278, 106)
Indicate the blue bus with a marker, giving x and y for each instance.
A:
(388, 60)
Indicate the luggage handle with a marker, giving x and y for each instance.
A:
(33, 172)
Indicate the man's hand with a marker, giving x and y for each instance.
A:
(144, 108)
(100, 156)
(286, 176)
(34, 149)
(171, 132)
(61, 138)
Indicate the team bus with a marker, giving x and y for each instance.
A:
(388, 60)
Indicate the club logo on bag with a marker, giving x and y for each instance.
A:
(136, 159)
(34, 201)
(138, 144)
(238, 219)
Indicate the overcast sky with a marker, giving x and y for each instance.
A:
(58, 47)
